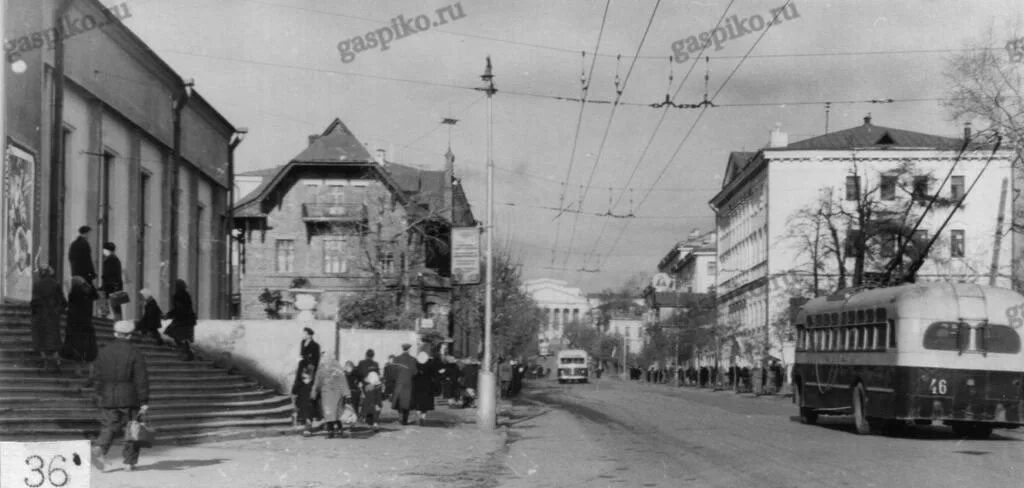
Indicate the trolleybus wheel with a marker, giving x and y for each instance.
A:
(807, 415)
(860, 417)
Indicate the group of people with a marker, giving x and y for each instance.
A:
(337, 396)
(79, 339)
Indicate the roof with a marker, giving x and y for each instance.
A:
(738, 161)
(872, 136)
(262, 172)
(337, 144)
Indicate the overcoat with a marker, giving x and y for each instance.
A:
(120, 376)
(182, 315)
(47, 304)
(331, 385)
(111, 274)
(80, 257)
(423, 386)
(80, 336)
(150, 319)
(405, 368)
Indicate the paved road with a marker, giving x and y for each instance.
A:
(611, 433)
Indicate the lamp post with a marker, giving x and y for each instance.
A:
(486, 411)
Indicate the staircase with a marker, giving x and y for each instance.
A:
(190, 401)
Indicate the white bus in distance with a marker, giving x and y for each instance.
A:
(573, 365)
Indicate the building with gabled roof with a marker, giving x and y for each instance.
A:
(760, 263)
(349, 223)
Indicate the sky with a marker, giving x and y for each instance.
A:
(274, 67)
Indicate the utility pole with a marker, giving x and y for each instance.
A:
(486, 411)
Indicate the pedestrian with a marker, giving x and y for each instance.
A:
(469, 376)
(80, 256)
(149, 324)
(504, 377)
(183, 320)
(367, 366)
(353, 385)
(405, 369)
(309, 355)
(47, 304)
(423, 386)
(517, 377)
(449, 374)
(112, 281)
(80, 336)
(302, 396)
(373, 399)
(122, 385)
(332, 388)
(390, 370)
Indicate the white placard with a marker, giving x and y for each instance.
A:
(60, 464)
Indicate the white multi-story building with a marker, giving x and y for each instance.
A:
(632, 329)
(759, 259)
(562, 304)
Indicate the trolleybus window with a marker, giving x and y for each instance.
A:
(943, 336)
(1001, 339)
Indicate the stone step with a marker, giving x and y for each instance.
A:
(31, 368)
(35, 405)
(60, 386)
(155, 380)
(209, 431)
(162, 397)
(156, 415)
(16, 350)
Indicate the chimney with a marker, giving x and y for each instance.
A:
(380, 156)
(313, 138)
(967, 131)
(867, 119)
(777, 138)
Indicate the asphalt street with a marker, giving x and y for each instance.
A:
(614, 433)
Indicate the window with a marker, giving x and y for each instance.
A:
(892, 333)
(853, 188)
(334, 260)
(386, 263)
(1002, 339)
(920, 187)
(887, 188)
(956, 188)
(337, 194)
(956, 243)
(712, 268)
(943, 336)
(285, 255)
(852, 242)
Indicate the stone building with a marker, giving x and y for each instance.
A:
(100, 131)
(344, 223)
(562, 305)
(761, 262)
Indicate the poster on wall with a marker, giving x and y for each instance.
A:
(465, 255)
(18, 198)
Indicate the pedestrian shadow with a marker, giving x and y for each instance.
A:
(178, 464)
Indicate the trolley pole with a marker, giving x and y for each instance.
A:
(486, 411)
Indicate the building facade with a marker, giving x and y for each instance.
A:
(339, 222)
(763, 263)
(562, 305)
(100, 131)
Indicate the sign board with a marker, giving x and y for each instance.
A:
(17, 206)
(465, 255)
(662, 282)
(426, 323)
(64, 464)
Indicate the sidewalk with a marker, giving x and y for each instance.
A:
(448, 451)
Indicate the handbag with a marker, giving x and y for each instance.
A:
(348, 415)
(139, 432)
(118, 298)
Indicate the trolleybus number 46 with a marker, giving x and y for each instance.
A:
(939, 387)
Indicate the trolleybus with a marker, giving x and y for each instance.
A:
(945, 352)
(573, 365)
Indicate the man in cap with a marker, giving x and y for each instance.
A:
(122, 387)
(111, 276)
(405, 368)
(80, 256)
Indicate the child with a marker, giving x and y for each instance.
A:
(373, 398)
(302, 394)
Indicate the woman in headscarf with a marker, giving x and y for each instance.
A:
(47, 304)
(80, 338)
(331, 385)
(423, 386)
(183, 319)
(149, 324)
(373, 399)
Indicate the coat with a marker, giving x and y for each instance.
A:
(365, 367)
(423, 386)
(150, 319)
(80, 336)
(390, 371)
(310, 354)
(182, 315)
(331, 385)
(405, 368)
(47, 304)
(120, 376)
(80, 257)
(111, 275)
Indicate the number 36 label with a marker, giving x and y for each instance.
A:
(63, 464)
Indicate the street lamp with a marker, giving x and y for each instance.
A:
(486, 410)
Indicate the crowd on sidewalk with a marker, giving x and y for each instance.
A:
(739, 378)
